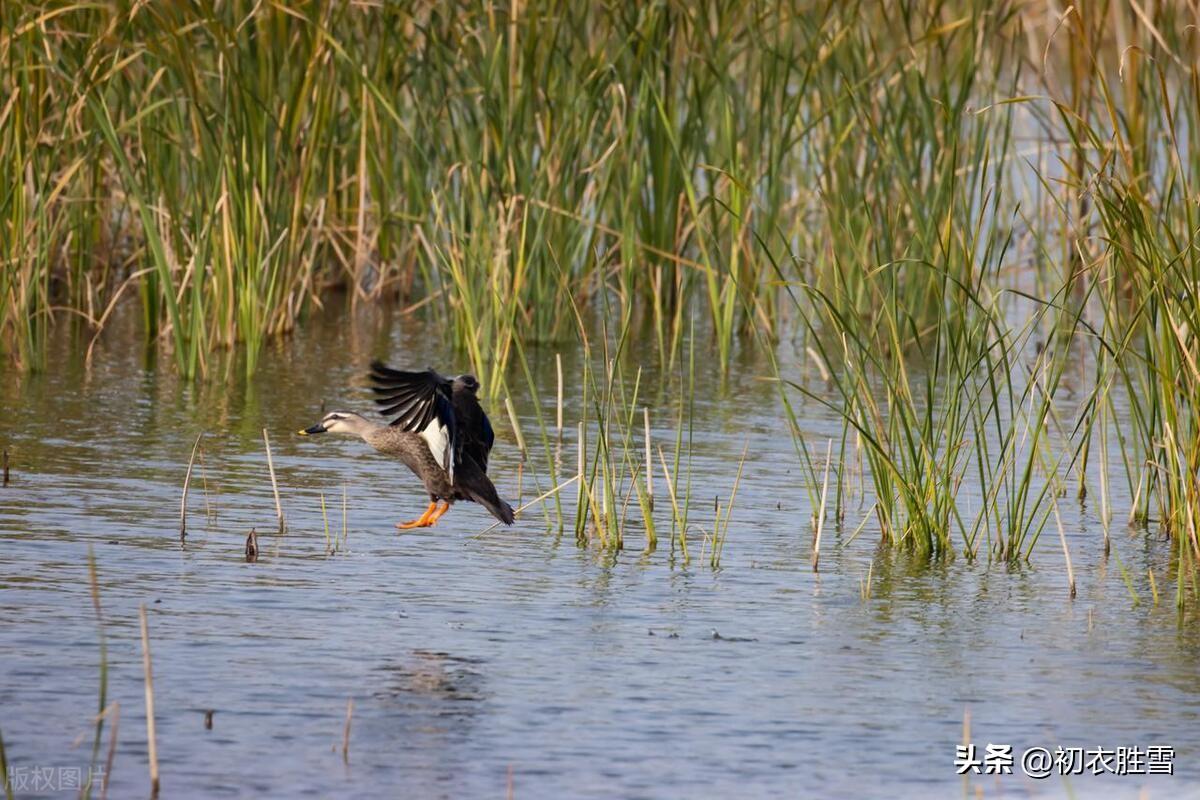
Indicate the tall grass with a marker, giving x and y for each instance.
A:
(943, 359)
(951, 203)
(237, 161)
(192, 150)
(1142, 171)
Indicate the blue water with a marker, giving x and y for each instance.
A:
(521, 659)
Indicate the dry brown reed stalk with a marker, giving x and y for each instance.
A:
(816, 554)
(346, 731)
(111, 713)
(580, 465)
(186, 480)
(966, 738)
(209, 513)
(1062, 538)
(649, 459)
(330, 547)
(148, 678)
(113, 710)
(558, 417)
(512, 418)
(677, 516)
(94, 584)
(538, 499)
(274, 484)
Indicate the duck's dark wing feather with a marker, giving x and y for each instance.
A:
(414, 400)
(474, 429)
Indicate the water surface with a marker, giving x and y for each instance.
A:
(519, 657)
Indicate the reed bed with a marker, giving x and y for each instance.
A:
(233, 164)
(958, 287)
(954, 206)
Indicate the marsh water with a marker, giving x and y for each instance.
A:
(519, 660)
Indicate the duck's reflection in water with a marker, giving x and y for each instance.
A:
(430, 692)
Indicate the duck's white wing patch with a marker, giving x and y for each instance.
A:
(437, 436)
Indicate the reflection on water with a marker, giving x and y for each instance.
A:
(585, 673)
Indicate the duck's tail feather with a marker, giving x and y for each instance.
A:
(477, 486)
(488, 498)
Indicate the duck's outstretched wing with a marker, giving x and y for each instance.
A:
(419, 402)
(475, 436)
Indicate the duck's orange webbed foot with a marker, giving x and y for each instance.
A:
(422, 521)
(438, 514)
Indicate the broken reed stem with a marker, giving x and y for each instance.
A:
(112, 712)
(721, 532)
(115, 708)
(559, 416)
(816, 554)
(148, 676)
(346, 731)
(579, 469)
(512, 418)
(208, 511)
(864, 584)
(966, 739)
(677, 518)
(6, 467)
(325, 517)
(94, 582)
(537, 499)
(187, 479)
(816, 359)
(1137, 498)
(1062, 537)
(603, 504)
(274, 485)
(649, 458)
(1105, 515)
(345, 529)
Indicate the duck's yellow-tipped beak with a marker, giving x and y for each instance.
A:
(309, 431)
(302, 433)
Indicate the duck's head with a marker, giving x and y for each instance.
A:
(336, 422)
(468, 382)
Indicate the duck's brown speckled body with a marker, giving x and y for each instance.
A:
(413, 450)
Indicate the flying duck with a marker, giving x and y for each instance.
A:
(437, 428)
